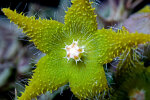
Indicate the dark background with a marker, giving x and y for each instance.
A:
(22, 5)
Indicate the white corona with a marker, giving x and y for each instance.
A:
(74, 51)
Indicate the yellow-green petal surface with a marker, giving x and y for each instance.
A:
(80, 18)
(112, 44)
(48, 76)
(44, 33)
(146, 9)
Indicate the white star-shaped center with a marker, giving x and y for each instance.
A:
(74, 51)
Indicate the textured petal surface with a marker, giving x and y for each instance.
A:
(88, 83)
(48, 76)
(87, 77)
(112, 44)
(146, 9)
(46, 34)
(80, 18)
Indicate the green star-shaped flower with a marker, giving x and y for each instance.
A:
(75, 51)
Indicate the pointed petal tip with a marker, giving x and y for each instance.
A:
(4, 10)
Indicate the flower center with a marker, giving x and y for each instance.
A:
(74, 51)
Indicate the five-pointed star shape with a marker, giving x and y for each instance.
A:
(86, 76)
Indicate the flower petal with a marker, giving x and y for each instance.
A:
(80, 18)
(48, 76)
(112, 44)
(87, 72)
(146, 9)
(46, 34)
(88, 83)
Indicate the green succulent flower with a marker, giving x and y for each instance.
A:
(75, 51)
